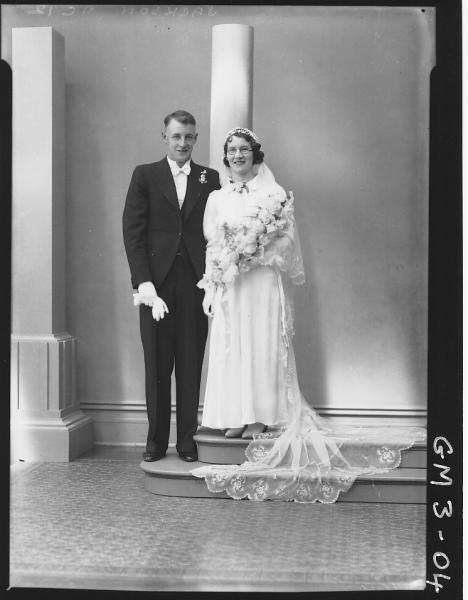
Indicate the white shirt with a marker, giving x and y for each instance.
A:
(180, 175)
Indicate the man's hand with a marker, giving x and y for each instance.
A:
(159, 308)
(147, 293)
(149, 297)
(208, 303)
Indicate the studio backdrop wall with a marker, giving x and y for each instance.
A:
(341, 104)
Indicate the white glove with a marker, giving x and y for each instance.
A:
(159, 308)
(147, 293)
(207, 303)
(148, 296)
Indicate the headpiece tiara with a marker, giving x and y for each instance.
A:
(241, 130)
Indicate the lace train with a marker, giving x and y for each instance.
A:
(308, 461)
(312, 479)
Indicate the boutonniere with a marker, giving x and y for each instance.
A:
(202, 178)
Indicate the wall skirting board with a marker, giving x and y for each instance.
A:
(125, 424)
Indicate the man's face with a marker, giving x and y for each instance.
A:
(180, 140)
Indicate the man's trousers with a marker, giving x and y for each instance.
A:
(179, 338)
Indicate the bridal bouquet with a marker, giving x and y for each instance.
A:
(242, 245)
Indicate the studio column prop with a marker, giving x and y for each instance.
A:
(231, 102)
(231, 85)
(47, 424)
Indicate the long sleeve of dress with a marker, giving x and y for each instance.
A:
(210, 232)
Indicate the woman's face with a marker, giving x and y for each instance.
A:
(240, 157)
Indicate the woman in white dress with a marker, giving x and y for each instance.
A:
(245, 389)
(253, 260)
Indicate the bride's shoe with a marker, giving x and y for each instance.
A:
(252, 429)
(234, 432)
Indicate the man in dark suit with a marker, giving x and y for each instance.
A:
(163, 237)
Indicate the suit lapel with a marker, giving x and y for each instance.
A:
(192, 194)
(166, 183)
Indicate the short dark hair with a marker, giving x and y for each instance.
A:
(182, 116)
(257, 153)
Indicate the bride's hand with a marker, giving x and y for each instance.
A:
(208, 303)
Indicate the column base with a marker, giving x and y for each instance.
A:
(60, 439)
(46, 421)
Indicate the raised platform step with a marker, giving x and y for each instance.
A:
(172, 477)
(215, 448)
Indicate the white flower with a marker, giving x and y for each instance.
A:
(230, 274)
(271, 227)
(263, 239)
(273, 201)
(251, 236)
(281, 223)
(257, 227)
(225, 261)
(249, 249)
(264, 215)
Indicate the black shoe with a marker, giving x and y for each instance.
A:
(153, 456)
(189, 456)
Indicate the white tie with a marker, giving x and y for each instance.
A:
(185, 169)
(180, 182)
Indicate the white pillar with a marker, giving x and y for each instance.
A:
(46, 421)
(231, 84)
(231, 100)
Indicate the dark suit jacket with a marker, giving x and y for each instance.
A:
(153, 224)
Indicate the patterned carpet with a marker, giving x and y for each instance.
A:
(91, 524)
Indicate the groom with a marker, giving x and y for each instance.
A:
(165, 246)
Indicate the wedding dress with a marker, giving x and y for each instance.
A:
(245, 379)
(252, 373)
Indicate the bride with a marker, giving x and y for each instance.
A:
(253, 260)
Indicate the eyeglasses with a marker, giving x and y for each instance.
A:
(243, 151)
